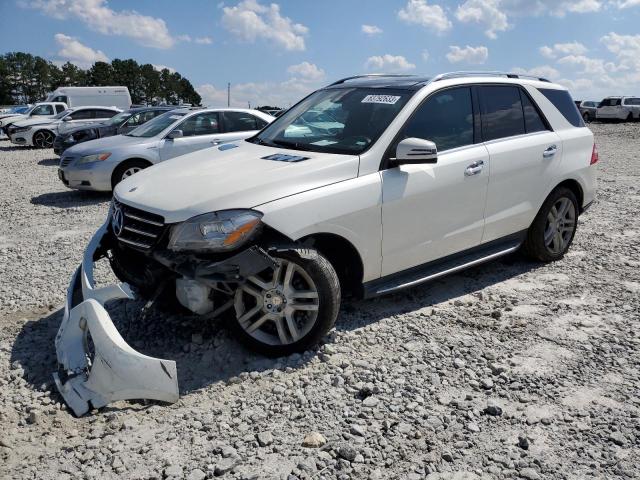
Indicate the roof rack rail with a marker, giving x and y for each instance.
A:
(446, 76)
(366, 75)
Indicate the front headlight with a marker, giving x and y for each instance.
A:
(21, 129)
(216, 231)
(97, 157)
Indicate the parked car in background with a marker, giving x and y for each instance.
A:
(41, 132)
(97, 96)
(101, 164)
(14, 111)
(39, 110)
(588, 110)
(619, 108)
(119, 124)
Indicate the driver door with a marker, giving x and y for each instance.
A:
(199, 131)
(430, 211)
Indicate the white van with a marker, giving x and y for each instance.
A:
(97, 96)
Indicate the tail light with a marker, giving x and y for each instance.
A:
(594, 155)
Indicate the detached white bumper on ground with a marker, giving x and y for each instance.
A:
(95, 364)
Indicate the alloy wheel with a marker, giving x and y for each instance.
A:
(43, 139)
(560, 225)
(130, 171)
(279, 306)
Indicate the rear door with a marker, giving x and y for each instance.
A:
(239, 125)
(524, 152)
(199, 131)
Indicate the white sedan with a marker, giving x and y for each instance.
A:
(41, 132)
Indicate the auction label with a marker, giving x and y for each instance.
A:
(387, 99)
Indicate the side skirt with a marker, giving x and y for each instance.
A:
(444, 266)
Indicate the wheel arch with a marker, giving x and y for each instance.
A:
(343, 256)
(575, 187)
(127, 160)
(39, 130)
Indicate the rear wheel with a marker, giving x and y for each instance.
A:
(126, 169)
(630, 117)
(586, 117)
(290, 308)
(43, 139)
(552, 231)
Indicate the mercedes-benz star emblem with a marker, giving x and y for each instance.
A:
(117, 221)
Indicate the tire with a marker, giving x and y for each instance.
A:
(537, 245)
(268, 330)
(586, 117)
(43, 139)
(630, 117)
(126, 169)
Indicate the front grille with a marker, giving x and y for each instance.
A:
(65, 161)
(140, 230)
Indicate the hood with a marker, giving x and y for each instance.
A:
(11, 119)
(215, 179)
(35, 121)
(107, 143)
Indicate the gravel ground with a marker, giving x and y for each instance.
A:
(509, 370)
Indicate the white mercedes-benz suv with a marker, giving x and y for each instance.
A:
(404, 180)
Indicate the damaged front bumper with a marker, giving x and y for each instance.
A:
(113, 370)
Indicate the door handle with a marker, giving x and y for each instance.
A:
(474, 169)
(550, 152)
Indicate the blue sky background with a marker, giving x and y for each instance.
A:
(277, 54)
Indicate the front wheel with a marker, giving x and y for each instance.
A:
(552, 231)
(43, 139)
(126, 169)
(289, 308)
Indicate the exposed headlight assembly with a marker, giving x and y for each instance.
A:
(97, 157)
(215, 232)
(21, 129)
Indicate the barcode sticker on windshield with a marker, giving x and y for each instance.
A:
(387, 99)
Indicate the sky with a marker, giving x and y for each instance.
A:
(275, 53)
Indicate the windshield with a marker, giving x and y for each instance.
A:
(155, 126)
(19, 109)
(119, 118)
(62, 114)
(345, 120)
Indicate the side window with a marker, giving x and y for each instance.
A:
(260, 123)
(445, 118)
(563, 102)
(104, 113)
(239, 122)
(59, 108)
(633, 101)
(133, 121)
(43, 110)
(81, 115)
(502, 114)
(61, 98)
(532, 120)
(200, 124)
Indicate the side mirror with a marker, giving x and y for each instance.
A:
(175, 134)
(411, 151)
(66, 119)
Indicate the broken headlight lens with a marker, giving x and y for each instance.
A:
(215, 232)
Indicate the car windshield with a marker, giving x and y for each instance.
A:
(19, 110)
(343, 120)
(119, 118)
(155, 126)
(62, 114)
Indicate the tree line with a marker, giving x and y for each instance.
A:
(26, 78)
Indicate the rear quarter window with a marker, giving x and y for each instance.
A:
(564, 103)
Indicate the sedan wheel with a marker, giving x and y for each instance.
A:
(43, 139)
(130, 171)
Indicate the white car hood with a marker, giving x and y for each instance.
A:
(36, 121)
(108, 144)
(214, 179)
(12, 119)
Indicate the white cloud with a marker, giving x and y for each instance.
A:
(159, 68)
(432, 17)
(204, 40)
(306, 71)
(626, 48)
(560, 49)
(96, 14)
(371, 30)
(486, 12)
(470, 55)
(557, 8)
(389, 63)
(544, 71)
(425, 55)
(626, 3)
(251, 21)
(279, 94)
(183, 38)
(75, 52)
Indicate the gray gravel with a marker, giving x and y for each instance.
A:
(509, 370)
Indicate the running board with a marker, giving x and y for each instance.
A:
(444, 266)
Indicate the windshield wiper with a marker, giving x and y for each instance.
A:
(293, 145)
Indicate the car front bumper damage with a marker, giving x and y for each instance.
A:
(113, 370)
